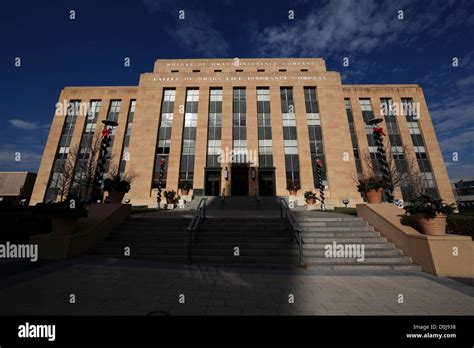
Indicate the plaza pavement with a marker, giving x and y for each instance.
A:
(133, 287)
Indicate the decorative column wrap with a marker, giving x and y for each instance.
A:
(378, 135)
(97, 194)
(160, 181)
(319, 166)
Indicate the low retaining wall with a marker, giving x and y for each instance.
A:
(448, 255)
(100, 221)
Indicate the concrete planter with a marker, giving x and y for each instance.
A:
(374, 196)
(116, 197)
(433, 227)
(293, 192)
(170, 206)
(63, 224)
(311, 200)
(184, 192)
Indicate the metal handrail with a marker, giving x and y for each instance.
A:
(295, 229)
(257, 197)
(222, 198)
(194, 225)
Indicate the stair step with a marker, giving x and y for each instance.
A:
(345, 240)
(367, 246)
(371, 260)
(340, 234)
(326, 219)
(334, 224)
(367, 267)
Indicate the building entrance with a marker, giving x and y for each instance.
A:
(239, 181)
(266, 182)
(213, 182)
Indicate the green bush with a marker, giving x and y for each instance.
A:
(372, 183)
(428, 207)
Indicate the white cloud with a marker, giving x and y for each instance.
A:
(26, 125)
(466, 81)
(347, 26)
(29, 160)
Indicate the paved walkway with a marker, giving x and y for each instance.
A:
(128, 287)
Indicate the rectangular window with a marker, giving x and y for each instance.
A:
(83, 171)
(59, 180)
(355, 143)
(126, 140)
(164, 136)
(424, 164)
(265, 150)
(239, 124)
(315, 133)
(289, 136)
(214, 128)
(186, 173)
(395, 139)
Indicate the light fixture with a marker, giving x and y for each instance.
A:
(253, 173)
(127, 201)
(345, 201)
(226, 173)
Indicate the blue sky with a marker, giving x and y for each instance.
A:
(56, 51)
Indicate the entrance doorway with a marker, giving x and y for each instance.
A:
(213, 182)
(266, 182)
(239, 180)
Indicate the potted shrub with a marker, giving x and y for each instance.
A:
(310, 197)
(430, 214)
(293, 188)
(117, 187)
(372, 188)
(64, 215)
(171, 198)
(185, 187)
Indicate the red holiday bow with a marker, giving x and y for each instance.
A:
(379, 131)
(105, 133)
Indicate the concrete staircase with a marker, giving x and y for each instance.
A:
(260, 242)
(320, 231)
(261, 237)
(164, 239)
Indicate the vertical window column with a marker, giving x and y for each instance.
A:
(396, 145)
(84, 170)
(367, 115)
(186, 174)
(239, 129)
(214, 129)
(58, 179)
(355, 144)
(290, 141)
(126, 141)
(112, 115)
(315, 134)
(265, 152)
(164, 135)
(424, 164)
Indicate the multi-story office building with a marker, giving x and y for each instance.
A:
(464, 191)
(242, 126)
